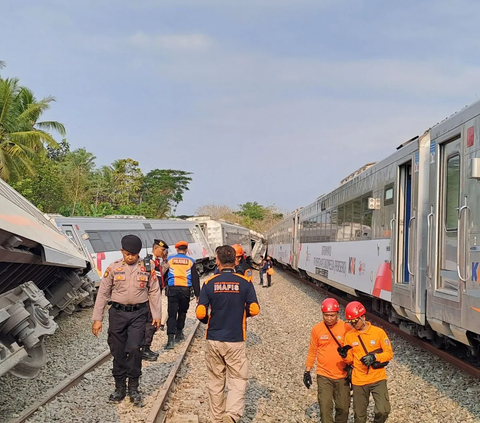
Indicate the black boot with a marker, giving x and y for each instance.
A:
(179, 336)
(149, 355)
(171, 342)
(120, 389)
(133, 392)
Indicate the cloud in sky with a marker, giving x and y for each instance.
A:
(268, 101)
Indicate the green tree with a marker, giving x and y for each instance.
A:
(163, 190)
(77, 170)
(253, 211)
(127, 182)
(22, 136)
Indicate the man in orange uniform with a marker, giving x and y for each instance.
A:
(241, 265)
(370, 350)
(326, 338)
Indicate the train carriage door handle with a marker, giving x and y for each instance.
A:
(410, 241)
(392, 244)
(462, 242)
(429, 243)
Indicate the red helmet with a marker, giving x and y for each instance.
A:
(238, 249)
(354, 310)
(330, 305)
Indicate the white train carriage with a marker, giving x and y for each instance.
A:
(101, 238)
(41, 274)
(404, 231)
(219, 232)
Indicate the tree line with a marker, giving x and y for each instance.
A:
(58, 180)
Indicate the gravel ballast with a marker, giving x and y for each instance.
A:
(422, 388)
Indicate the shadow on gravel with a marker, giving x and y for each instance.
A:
(313, 412)
(253, 339)
(448, 382)
(253, 395)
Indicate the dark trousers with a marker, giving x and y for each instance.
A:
(178, 303)
(269, 280)
(126, 333)
(330, 391)
(149, 329)
(361, 396)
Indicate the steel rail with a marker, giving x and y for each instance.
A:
(445, 356)
(64, 386)
(157, 415)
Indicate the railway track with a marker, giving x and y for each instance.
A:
(444, 355)
(156, 413)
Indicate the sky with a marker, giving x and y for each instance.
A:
(273, 101)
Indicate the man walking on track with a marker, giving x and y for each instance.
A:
(226, 300)
(369, 350)
(131, 289)
(325, 340)
(182, 276)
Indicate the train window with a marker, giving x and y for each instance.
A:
(188, 235)
(93, 235)
(98, 245)
(357, 220)
(452, 194)
(388, 195)
(347, 226)
(110, 245)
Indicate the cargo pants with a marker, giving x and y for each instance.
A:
(330, 391)
(149, 330)
(227, 366)
(361, 397)
(126, 334)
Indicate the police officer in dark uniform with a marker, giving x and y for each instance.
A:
(130, 288)
(159, 249)
(182, 276)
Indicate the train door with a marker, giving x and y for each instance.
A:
(446, 252)
(408, 289)
(295, 241)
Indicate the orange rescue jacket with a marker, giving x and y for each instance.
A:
(373, 338)
(324, 348)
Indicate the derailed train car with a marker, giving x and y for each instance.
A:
(41, 274)
(100, 238)
(403, 233)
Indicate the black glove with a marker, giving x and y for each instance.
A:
(342, 351)
(368, 359)
(307, 379)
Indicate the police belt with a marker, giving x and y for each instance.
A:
(129, 307)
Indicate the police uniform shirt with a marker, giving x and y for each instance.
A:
(128, 284)
(182, 272)
(229, 298)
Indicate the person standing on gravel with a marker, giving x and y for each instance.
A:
(160, 251)
(368, 348)
(129, 288)
(182, 276)
(226, 299)
(325, 340)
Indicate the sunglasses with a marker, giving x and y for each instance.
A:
(353, 321)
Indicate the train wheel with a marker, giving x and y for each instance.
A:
(29, 367)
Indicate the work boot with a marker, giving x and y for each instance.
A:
(149, 355)
(120, 389)
(179, 336)
(171, 342)
(133, 392)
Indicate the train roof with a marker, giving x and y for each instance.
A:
(122, 222)
(22, 219)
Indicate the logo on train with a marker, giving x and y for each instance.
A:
(351, 265)
(361, 268)
(475, 272)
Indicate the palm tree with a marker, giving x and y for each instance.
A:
(21, 135)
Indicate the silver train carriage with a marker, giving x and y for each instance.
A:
(41, 274)
(101, 238)
(219, 232)
(404, 232)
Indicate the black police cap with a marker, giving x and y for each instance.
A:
(132, 244)
(161, 243)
